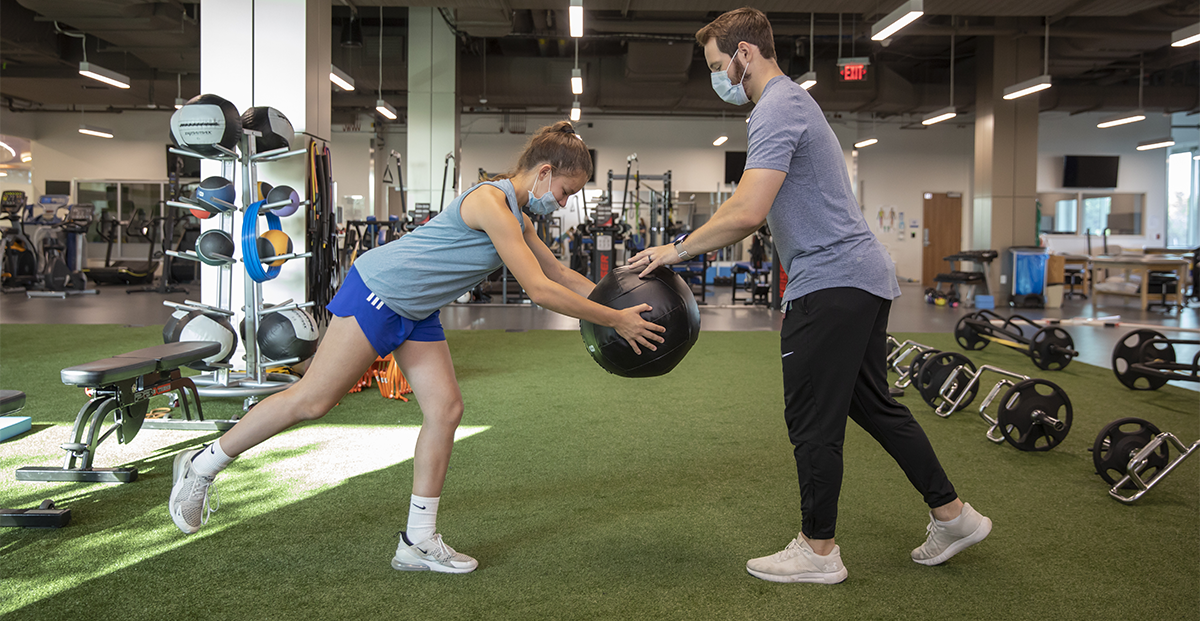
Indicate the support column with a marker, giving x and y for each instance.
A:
(433, 110)
(268, 53)
(1006, 148)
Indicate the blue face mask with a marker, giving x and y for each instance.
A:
(545, 205)
(726, 90)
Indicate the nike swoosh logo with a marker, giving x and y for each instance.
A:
(418, 506)
(788, 354)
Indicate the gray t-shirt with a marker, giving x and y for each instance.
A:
(819, 231)
(439, 261)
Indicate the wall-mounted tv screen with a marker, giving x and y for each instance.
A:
(735, 165)
(1090, 171)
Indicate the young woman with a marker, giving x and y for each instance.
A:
(389, 303)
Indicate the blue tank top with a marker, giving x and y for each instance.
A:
(436, 263)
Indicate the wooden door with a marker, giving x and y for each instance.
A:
(942, 234)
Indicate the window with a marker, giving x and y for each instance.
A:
(1080, 213)
(1183, 211)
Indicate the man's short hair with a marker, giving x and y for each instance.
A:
(744, 24)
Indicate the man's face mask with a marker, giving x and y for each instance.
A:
(726, 89)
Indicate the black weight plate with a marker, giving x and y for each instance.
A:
(914, 368)
(1016, 415)
(1118, 442)
(967, 335)
(1128, 352)
(937, 369)
(1045, 348)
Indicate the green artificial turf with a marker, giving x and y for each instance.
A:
(588, 496)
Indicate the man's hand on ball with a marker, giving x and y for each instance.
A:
(653, 257)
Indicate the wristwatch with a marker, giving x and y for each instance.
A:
(683, 254)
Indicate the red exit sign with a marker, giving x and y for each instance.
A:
(853, 72)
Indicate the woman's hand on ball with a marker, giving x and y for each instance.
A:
(636, 330)
(651, 258)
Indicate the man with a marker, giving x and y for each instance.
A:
(841, 282)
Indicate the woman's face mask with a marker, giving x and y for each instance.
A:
(726, 89)
(546, 204)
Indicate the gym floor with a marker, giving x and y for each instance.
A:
(910, 313)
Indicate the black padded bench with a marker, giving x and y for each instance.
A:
(123, 385)
(956, 279)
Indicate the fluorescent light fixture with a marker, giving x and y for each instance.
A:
(937, 116)
(1122, 119)
(904, 15)
(808, 80)
(576, 15)
(179, 101)
(3, 173)
(26, 157)
(1157, 143)
(341, 78)
(575, 111)
(92, 130)
(577, 81)
(1186, 36)
(11, 151)
(866, 142)
(1196, 156)
(1028, 87)
(720, 141)
(386, 109)
(96, 72)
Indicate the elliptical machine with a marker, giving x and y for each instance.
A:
(21, 263)
(62, 274)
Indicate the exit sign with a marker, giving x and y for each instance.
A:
(853, 73)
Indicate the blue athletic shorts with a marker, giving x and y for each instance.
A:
(384, 328)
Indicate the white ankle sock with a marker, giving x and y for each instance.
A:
(211, 460)
(422, 518)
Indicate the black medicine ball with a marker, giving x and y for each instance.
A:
(673, 306)
(204, 121)
(215, 247)
(276, 129)
(287, 334)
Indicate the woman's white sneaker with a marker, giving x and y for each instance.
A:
(431, 555)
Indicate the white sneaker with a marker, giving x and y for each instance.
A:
(192, 497)
(949, 538)
(798, 563)
(431, 555)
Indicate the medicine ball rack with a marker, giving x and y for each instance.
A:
(255, 382)
(1129, 447)
(1051, 347)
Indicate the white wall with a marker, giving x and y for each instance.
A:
(1140, 172)
(351, 155)
(896, 172)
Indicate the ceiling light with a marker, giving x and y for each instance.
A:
(1186, 36)
(179, 101)
(576, 14)
(1122, 119)
(386, 109)
(1028, 87)
(575, 111)
(341, 78)
(577, 81)
(3, 173)
(808, 80)
(937, 116)
(96, 72)
(352, 33)
(866, 142)
(720, 141)
(26, 157)
(92, 130)
(904, 15)
(11, 152)
(1157, 143)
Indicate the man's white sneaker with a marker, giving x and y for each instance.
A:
(798, 563)
(949, 538)
(192, 496)
(431, 555)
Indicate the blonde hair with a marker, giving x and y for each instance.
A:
(557, 145)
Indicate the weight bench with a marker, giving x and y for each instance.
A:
(123, 385)
(45, 516)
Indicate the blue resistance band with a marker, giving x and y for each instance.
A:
(254, 265)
